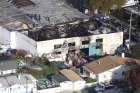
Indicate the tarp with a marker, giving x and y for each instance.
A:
(93, 51)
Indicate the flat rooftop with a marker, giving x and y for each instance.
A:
(52, 12)
(80, 29)
(38, 12)
(134, 9)
(9, 13)
(8, 64)
(11, 80)
(59, 78)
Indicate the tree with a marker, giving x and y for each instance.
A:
(135, 51)
(104, 6)
(133, 75)
(138, 91)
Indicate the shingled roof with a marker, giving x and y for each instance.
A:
(71, 75)
(107, 63)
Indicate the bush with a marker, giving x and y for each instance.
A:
(47, 70)
(135, 51)
(90, 80)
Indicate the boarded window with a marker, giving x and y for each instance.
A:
(57, 46)
(99, 43)
(85, 42)
(71, 44)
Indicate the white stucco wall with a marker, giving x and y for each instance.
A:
(115, 73)
(18, 40)
(21, 41)
(16, 88)
(65, 86)
(110, 42)
(50, 90)
(78, 85)
(6, 72)
(130, 3)
(4, 36)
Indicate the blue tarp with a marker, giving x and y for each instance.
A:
(93, 50)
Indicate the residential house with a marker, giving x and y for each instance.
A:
(21, 83)
(8, 67)
(107, 68)
(82, 5)
(131, 3)
(76, 81)
(65, 80)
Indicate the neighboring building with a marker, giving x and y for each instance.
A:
(65, 80)
(8, 67)
(77, 82)
(107, 68)
(131, 3)
(21, 83)
(54, 81)
(134, 9)
(16, 40)
(82, 5)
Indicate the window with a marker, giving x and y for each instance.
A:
(57, 46)
(57, 53)
(123, 73)
(115, 73)
(1, 73)
(71, 44)
(99, 43)
(99, 46)
(85, 42)
(99, 40)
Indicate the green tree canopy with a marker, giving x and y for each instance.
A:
(135, 51)
(105, 5)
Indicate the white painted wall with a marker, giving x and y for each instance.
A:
(110, 42)
(65, 86)
(21, 41)
(50, 90)
(17, 89)
(130, 3)
(4, 37)
(78, 85)
(115, 73)
(6, 72)
(18, 40)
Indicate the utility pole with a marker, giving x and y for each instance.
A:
(130, 30)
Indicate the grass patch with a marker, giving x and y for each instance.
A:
(47, 70)
(90, 80)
